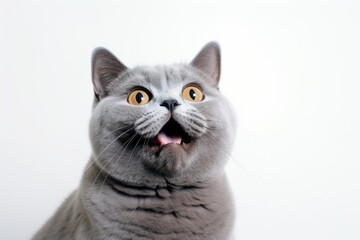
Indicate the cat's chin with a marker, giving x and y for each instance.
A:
(170, 159)
(157, 149)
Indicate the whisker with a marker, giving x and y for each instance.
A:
(107, 148)
(102, 169)
(120, 128)
(97, 176)
(215, 143)
(127, 144)
(129, 159)
(145, 145)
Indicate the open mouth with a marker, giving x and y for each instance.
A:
(171, 133)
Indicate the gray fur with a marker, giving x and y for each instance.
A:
(130, 192)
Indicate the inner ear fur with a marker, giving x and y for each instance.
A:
(208, 60)
(105, 68)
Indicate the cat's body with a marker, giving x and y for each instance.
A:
(160, 138)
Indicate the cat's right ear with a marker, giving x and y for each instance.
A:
(105, 68)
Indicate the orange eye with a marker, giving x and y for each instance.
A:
(192, 94)
(138, 98)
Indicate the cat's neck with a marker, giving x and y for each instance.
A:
(161, 191)
(150, 185)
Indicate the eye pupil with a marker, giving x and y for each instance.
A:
(139, 97)
(192, 94)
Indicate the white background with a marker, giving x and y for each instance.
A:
(290, 69)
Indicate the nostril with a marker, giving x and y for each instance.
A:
(170, 104)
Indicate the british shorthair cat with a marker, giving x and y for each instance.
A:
(160, 138)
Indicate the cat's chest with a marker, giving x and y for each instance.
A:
(162, 214)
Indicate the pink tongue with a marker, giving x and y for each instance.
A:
(164, 139)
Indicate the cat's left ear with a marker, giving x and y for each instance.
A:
(208, 61)
(105, 68)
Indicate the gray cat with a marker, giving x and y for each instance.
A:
(160, 137)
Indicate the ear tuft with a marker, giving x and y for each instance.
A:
(208, 60)
(105, 68)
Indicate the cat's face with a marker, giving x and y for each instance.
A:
(152, 123)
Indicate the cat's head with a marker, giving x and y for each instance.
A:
(152, 123)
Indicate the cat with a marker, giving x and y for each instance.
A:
(160, 138)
